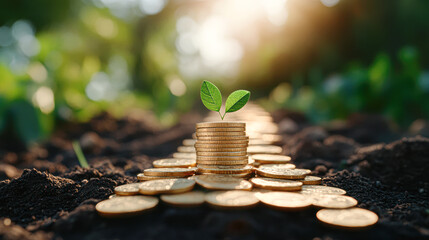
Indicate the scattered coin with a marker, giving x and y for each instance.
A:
(189, 142)
(166, 186)
(169, 172)
(187, 199)
(282, 173)
(311, 180)
(276, 184)
(228, 129)
(246, 169)
(174, 163)
(222, 182)
(325, 190)
(186, 149)
(223, 162)
(221, 158)
(334, 201)
(270, 158)
(232, 199)
(125, 206)
(220, 124)
(285, 200)
(269, 149)
(348, 218)
(142, 177)
(185, 155)
(216, 154)
(281, 166)
(127, 189)
(114, 195)
(214, 148)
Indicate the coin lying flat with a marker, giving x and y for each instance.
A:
(184, 155)
(232, 199)
(208, 166)
(284, 200)
(220, 129)
(256, 142)
(142, 177)
(222, 162)
(168, 186)
(225, 147)
(125, 206)
(220, 124)
(222, 182)
(127, 189)
(186, 149)
(311, 180)
(333, 201)
(348, 218)
(268, 149)
(276, 184)
(174, 163)
(247, 169)
(169, 172)
(223, 138)
(220, 154)
(325, 190)
(220, 134)
(189, 142)
(225, 143)
(222, 158)
(114, 195)
(281, 166)
(270, 158)
(194, 198)
(295, 173)
(215, 149)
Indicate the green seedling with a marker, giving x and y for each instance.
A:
(78, 150)
(212, 99)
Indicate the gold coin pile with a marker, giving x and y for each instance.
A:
(217, 160)
(221, 148)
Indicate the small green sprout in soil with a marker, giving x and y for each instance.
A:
(79, 154)
(212, 99)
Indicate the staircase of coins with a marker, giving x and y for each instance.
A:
(235, 164)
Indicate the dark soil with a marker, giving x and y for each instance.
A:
(45, 195)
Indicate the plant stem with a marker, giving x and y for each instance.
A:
(79, 154)
(220, 115)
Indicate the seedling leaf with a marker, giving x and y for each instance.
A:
(236, 100)
(79, 154)
(211, 96)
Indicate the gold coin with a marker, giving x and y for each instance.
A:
(186, 149)
(114, 195)
(127, 189)
(222, 182)
(274, 138)
(219, 146)
(142, 177)
(311, 180)
(222, 158)
(125, 206)
(270, 158)
(347, 218)
(169, 172)
(220, 134)
(219, 154)
(220, 125)
(232, 199)
(325, 190)
(184, 155)
(276, 184)
(222, 143)
(258, 142)
(174, 163)
(282, 173)
(269, 149)
(214, 148)
(208, 166)
(246, 169)
(224, 163)
(223, 138)
(230, 129)
(194, 198)
(189, 142)
(282, 166)
(333, 201)
(284, 200)
(154, 187)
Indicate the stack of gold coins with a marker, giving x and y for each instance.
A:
(221, 148)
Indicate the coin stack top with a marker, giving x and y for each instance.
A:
(221, 148)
